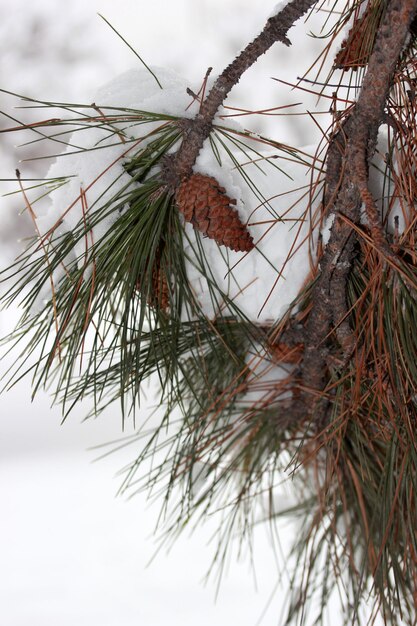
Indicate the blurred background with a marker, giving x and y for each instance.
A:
(71, 551)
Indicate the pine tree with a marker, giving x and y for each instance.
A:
(125, 279)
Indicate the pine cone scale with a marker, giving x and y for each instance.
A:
(205, 204)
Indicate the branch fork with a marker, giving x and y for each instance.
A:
(348, 156)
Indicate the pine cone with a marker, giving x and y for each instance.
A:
(359, 44)
(205, 204)
(357, 47)
(160, 294)
(282, 353)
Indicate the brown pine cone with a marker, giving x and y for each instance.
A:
(205, 204)
(358, 45)
(160, 293)
(282, 353)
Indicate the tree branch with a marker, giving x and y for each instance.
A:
(350, 150)
(198, 130)
(360, 130)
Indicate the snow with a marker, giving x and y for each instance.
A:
(138, 89)
(262, 283)
(73, 554)
(279, 7)
(278, 224)
(382, 185)
(94, 167)
(325, 231)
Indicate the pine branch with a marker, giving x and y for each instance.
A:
(199, 129)
(347, 165)
(341, 402)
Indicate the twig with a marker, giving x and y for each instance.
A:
(198, 131)
(329, 292)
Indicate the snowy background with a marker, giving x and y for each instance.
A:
(71, 552)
